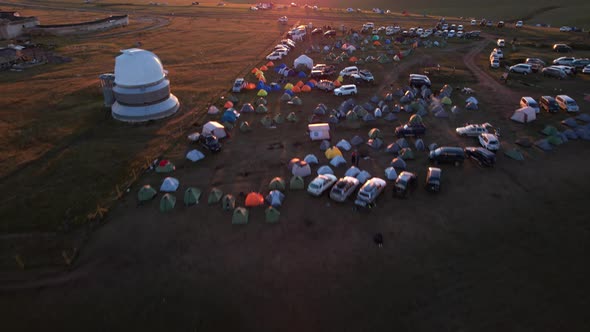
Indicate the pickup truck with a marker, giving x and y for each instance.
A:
(406, 130)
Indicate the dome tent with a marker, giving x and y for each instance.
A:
(344, 145)
(352, 171)
(213, 110)
(311, 159)
(363, 176)
(333, 152)
(301, 169)
(167, 203)
(195, 155)
(254, 199)
(338, 161)
(303, 60)
(271, 215)
(169, 184)
(228, 202)
(240, 216)
(277, 184)
(398, 163)
(390, 173)
(325, 170)
(165, 166)
(214, 196)
(146, 193)
(275, 198)
(192, 196)
(296, 183)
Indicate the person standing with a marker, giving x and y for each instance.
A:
(353, 158)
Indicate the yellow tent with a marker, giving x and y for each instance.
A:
(262, 93)
(288, 86)
(333, 152)
(340, 79)
(446, 100)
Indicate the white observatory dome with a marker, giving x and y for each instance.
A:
(137, 67)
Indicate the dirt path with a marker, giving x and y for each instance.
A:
(486, 82)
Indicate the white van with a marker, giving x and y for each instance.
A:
(530, 102)
(349, 71)
(566, 103)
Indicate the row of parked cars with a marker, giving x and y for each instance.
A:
(551, 104)
(281, 49)
(561, 68)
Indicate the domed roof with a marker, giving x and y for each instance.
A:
(138, 67)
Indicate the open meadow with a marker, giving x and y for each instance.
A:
(501, 248)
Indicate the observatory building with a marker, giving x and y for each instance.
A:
(139, 90)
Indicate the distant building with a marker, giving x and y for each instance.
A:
(13, 25)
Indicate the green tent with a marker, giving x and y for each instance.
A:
(406, 154)
(192, 196)
(228, 202)
(262, 93)
(146, 193)
(277, 184)
(351, 116)
(279, 118)
(416, 107)
(514, 154)
(266, 121)
(415, 119)
(296, 183)
(245, 127)
(261, 101)
(374, 38)
(554, 140)
(375, 133)
(167, 203)
(292, 117)
(272, 215)
(446, 101)
(167, 168)
(261, 109)
(285, 97)
(214, 196)
(233, 99)
(550, 131)
(361, 112)
(297, 101)
(240, 216)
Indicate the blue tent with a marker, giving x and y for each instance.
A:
(229, 116)
(310, 84)
(302, 74)
(387, 41)
(275, 87)
(290, 93)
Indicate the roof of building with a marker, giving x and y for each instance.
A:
(137, 67)
(13, 16)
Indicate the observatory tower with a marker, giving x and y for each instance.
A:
(141, 88)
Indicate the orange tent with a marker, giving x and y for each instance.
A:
(270, 64)
(299, 84)
(254, 70)
(306, 88)
(337, 83)
(296, 89)
(353, 59)
(250, 86)
(254, 199)
(263, 68)
(377, 43)
(228, 104)
(314, 82)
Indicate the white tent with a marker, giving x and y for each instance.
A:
(214, 128)
(301, 169)
(213, 110)
(524, 115)
(169, 184)
(195, 155)
(303, 60)
(319, 131)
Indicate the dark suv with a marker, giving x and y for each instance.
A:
(482, 156)
(448, 154)
(415, 130)
(210, 142)
(548, 104)
(561, 48)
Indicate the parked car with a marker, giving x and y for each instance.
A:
(499, 52)
(447, 154)
(417, 80)
(581, 63)
(349, 71)
(521, 68)
(562, 48)
(500, 24)
(566, 103)
(548, 104)
(474, 130)
(564, 61)
(565, 29)
(535, 61)
(370, 191)
(460, 27)
(586, 70)
(330, 33)
(473, 22)
(416, 130)
(494, 62)
(433, 178)
(344, 188)
(345, 90)
(274, 56)
(518, 24)
(489, 141)
(451, 34)
(569, 70)
(459, 34)
(482, 156)
(239, 84)
(405, 180)
(321, 183)
(501, 42)
(210, 142)
(530, 102)
(317, 31)
(363, 76)
(326, 85)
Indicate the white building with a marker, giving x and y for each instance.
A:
(141, 88)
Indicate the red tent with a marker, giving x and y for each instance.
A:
(254, 199)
